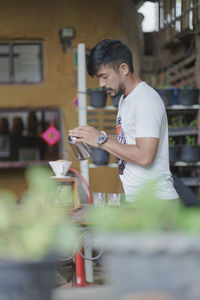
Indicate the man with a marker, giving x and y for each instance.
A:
(142, 129)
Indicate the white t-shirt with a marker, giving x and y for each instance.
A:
(142, 114)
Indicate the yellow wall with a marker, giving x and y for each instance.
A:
(93, 21)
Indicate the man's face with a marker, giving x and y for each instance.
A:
(110, 80)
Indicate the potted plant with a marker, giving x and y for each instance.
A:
(34, 235)
(192, 126)
(100, 157)
(188, 96)
(189, 151)
(176, 124)
(167, 95)
(150, 245)
(173, 150)
(180, 126)
(115, 100)
(97, 97)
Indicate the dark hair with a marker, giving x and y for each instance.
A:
(109, 52)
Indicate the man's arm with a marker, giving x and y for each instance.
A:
(143, 153)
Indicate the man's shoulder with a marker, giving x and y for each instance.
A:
(150, 96)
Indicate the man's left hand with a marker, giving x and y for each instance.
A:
(86, 134)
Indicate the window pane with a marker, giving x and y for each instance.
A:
(27, 63)
(4, 63)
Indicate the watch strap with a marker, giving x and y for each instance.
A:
(103, 132)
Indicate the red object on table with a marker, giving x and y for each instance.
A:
(80, 270)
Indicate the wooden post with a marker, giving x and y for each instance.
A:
(195, 15)
(173, 16)
(159, 27)
(185, 17)
(197, 40)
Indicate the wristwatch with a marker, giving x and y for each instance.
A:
(102, 138)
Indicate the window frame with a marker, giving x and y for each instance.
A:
(11, 62)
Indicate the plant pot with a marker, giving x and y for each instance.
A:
(164, 263)
(115, 100)
(187, 97)
(100, 156)
(97, 97)
(26, 280)
(166, 95)
(189, 153)
(173, 153)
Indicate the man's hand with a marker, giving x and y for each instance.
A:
(86, 134)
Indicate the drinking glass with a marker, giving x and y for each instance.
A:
(99, 199)
(113, 199)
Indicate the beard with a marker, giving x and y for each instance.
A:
(118, 91)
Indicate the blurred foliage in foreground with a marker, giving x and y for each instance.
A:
(147, 213)
(37, 226)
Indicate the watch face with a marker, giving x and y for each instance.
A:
(101, 139)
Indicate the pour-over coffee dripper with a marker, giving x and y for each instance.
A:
(60, 167)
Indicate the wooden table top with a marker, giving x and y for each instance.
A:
(79, 216)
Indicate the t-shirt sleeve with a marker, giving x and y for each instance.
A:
(148, 115)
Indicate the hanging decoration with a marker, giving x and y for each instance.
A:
(51, 136)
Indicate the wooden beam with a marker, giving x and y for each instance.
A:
(195, 15)
(183, 63)
(159, 27)
(198, 61)
(181, 74)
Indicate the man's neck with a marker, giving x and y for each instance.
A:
(131, 83)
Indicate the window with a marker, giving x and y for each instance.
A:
(21, 63)
(148, 10)
(21, 135)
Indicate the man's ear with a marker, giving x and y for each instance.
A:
(124, 69)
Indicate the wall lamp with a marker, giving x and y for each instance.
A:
(66, 34)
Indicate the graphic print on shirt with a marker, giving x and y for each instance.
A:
(121, 139)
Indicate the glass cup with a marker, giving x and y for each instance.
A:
(99, 199)
(113, 199)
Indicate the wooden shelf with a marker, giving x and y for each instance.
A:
(183, 107)
(179, 38)
(102, 118)
(20, 164)
(109, 165)
(182, 132)
(185, 164)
